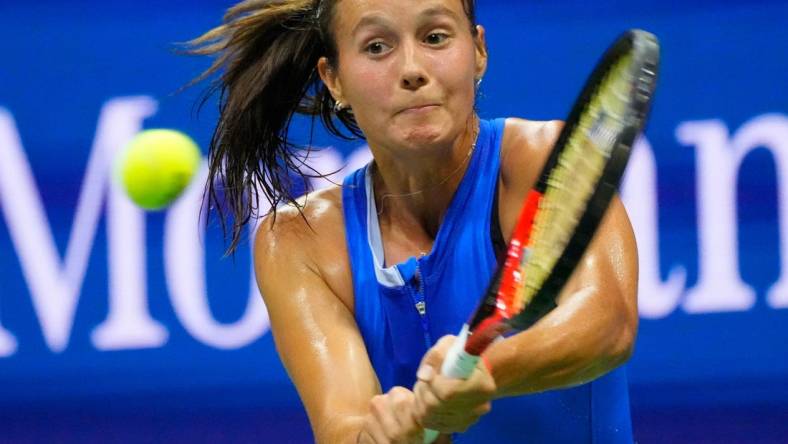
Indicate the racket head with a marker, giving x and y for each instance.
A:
(617, 98)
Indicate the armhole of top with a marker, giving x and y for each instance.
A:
(496, 234)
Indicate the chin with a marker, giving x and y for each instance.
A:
(423, 136)
(423, 132)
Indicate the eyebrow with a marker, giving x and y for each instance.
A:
(376, 19)
(370, 20)
(439, 10)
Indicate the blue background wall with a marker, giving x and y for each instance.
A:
(718, 374)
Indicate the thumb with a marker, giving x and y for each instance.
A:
(433, 359)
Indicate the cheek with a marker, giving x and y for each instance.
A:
(368, 83)
(368, 87)
(455, 71)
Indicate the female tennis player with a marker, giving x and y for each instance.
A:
(364, 281)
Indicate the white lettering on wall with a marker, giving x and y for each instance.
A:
(770, 131)
(55, 286)
(656, 299)
(128, 324)
(184, 255)
(719, 286)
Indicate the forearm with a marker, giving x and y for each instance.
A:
(582, 339)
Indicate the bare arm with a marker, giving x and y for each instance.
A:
(593, 329)
(314, 330)
(591, 332)
(304, 274)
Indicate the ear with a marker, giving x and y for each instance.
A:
(481, 51)
(330, 78)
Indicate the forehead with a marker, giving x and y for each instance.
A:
(350, 14)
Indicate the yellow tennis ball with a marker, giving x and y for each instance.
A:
(156, 166)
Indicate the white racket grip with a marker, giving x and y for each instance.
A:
(458, 364)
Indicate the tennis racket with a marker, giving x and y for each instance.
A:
(563, 210)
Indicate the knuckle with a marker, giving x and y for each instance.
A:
(431, 401)
(378, 402)
(400, 396)
(445, 394)
(399, 392)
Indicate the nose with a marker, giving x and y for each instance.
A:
(414, 75)
(413, 81)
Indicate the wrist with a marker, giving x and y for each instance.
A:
(485, 366)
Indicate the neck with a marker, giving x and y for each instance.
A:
(417, 190)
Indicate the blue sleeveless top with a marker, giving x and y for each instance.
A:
(401, 310)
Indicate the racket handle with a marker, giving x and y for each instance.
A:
(458, 364)
(430, 436)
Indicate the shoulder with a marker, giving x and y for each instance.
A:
(308, 239)
(317, 213)
(524, 149)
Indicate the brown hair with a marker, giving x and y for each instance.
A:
(266, 52)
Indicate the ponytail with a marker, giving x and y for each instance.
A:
(267, 53)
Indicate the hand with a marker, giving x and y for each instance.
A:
(391, 419)
(451, 405)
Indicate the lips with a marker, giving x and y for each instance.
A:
(420, 108)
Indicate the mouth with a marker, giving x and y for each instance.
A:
(418, 109)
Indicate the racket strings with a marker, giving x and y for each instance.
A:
(575, 177)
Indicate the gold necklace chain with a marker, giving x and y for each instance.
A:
(444, 180)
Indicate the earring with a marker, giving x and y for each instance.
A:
(338, 106)
(479, 82)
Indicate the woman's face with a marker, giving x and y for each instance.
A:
(407, 68)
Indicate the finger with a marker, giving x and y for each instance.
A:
(479, 388)
(419, 406)
(446, 389)
(364, 437)
(372, 432)
(430, 410)
(425, 373)
(426, 401)
(403, 403)
(435, 355)
(380, 408)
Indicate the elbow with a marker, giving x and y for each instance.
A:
(338, 429)
(623, 329)
(623, 344)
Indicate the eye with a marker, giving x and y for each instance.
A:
(436, 38)
(377, 48)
